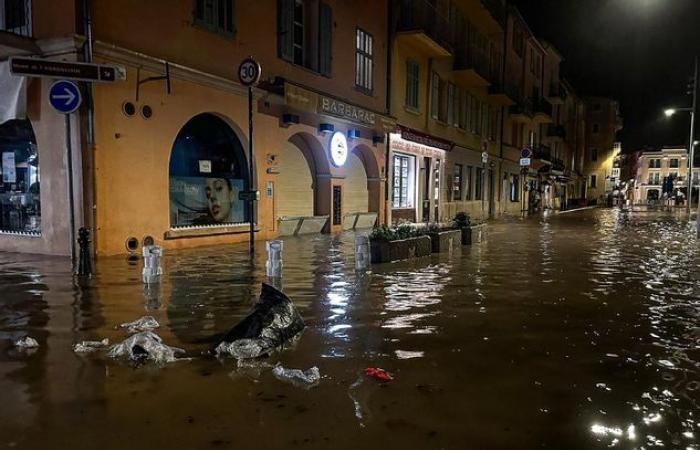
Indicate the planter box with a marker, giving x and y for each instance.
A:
(365, 220)
(473, 234)
(288, 226)
(312, 224)
(383, 251)
(444, 241)
(349, 221)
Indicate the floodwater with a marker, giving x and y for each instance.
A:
(578, 330)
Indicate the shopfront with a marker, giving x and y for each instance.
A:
(416, 177)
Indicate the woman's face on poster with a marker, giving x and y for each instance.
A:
(220, 197)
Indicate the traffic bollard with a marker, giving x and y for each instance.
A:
(273, 265)
(84, 264)
(151, 264)
(362, 252)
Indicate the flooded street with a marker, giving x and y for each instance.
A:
(579, 330)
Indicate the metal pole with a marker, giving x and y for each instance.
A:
(251, 177)
(71, 201)
(691, 145)
(483, 191)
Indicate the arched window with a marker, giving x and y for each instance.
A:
(20, 205)
(207, 171)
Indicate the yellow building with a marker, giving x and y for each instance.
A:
(654, 167)
(603, 121)
(162, 154)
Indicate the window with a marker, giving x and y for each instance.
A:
(20, 202)
(457, 182)
(435, 96)
(593, 181)
(673, 163)
(304, 34)
(215, 15)
(655, 163)
(518, 42)
(15, 16)
(479, 186)
(207, 171)
(532, 60)
(654, 178)
(475, 116)
(463, 109)
(403, 187)
(594, 154)
(364, 63)
(596, 128)
(412, 83)
(468, 184)
(452, 105)
(514, 188)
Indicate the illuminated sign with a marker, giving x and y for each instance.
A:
(339, 149)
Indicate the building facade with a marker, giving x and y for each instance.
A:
(663, 174)
(603, 121)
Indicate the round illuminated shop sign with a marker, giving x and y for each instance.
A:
(339, 148)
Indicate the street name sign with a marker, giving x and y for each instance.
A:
(524, 162)
(45, 68)
(64, 96)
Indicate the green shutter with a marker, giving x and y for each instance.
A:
(325, 34)
(285, 29)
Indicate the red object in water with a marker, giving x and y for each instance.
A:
(379, 374)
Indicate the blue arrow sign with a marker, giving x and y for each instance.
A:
(64, 96)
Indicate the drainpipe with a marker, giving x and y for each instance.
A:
(388, 164)
(90, 121)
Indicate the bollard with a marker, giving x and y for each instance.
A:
(84, 264)
(151, 264)
(362, 252)
(273, 265)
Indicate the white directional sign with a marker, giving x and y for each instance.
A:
(524, 162)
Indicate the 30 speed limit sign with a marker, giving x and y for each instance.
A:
(249, 72)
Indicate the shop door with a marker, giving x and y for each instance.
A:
(436, 191)
(337, 205)
(426, 189)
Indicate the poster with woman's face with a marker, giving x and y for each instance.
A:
(205, 201)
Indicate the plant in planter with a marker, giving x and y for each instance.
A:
(471, 232)
(393, 244)
(443, 238)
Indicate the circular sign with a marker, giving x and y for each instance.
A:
(339, 148)
(249, 72)
(64, 96)
(526, 153)
(484, 157)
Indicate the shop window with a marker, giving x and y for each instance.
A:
(412, 83)
(304, 33)
(20, 203)
(215, 15)
(479, 184)
(364, 60)
(207, 171)
(403, 183)
(457, 182)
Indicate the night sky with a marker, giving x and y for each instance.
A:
(637, 51)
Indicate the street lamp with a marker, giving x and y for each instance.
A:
(671, 111)
(691, 150)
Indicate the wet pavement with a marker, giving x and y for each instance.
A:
(579, 330)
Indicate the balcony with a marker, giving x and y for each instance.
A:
(558, 165)
(543, 111)
(503, 94)
(557, 94)
(16, 29)
(556, 131)
(542, 152)
(471, 67)
(521, 111)
(421, 25)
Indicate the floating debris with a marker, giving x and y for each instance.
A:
(145, 346)
(26, 342)
(145, 323)
(90, 346)
(309, 377)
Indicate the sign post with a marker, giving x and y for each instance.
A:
(525, 161)
(249, 74)
(484, 161)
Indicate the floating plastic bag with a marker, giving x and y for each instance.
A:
(145, 323)
(273, 322)
(26, 342)
(309, 377)
(379, 374)
(90, 346)
(144, 346)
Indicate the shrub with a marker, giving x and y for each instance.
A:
(462, 220)
(387, 234)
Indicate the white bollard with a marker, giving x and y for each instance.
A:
(362, 252)
(151, 264)
(273, 265)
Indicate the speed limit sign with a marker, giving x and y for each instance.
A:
(249, 72)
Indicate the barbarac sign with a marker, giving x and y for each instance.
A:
(346, 111)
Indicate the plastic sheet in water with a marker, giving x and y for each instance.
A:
(145, 346)
(26, 342)
(145, 323)
(308, 378)
(90, 346)
(273, 323)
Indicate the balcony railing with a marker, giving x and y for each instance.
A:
(421, 15)
(543, 152)
(470, 57)
(16, 17)
(558, 131)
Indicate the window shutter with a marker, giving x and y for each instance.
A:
(325, 33)
(285, 27)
